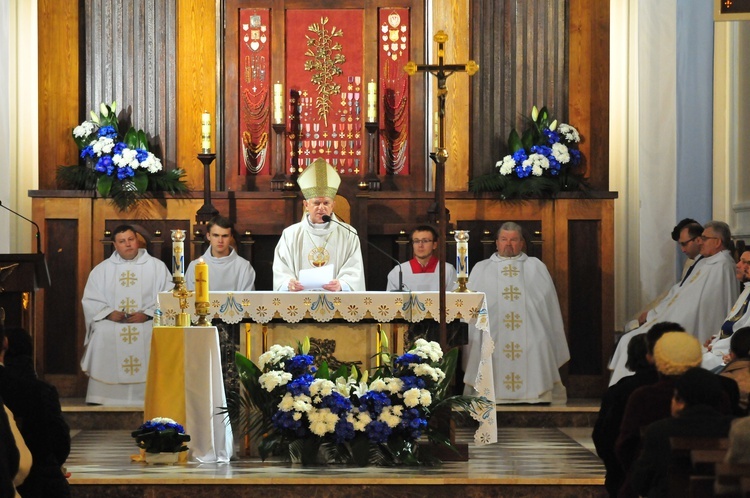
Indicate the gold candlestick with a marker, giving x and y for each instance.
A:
(183, 295)
(202, 310)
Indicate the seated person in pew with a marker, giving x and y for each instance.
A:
(317, 243)
(694, 412)
(717, 347)
(421, 273)
(607, 426)
(119, 301)
(738, 364)
(525, 324)
(228, 270)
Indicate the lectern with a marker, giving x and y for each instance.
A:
(21, 275)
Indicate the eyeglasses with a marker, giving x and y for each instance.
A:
(683, 244)
(421, 241)
(705, 237)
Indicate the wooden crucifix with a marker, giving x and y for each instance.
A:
(441, 71)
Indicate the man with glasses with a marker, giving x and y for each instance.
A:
(421, 273)
(701, 303)
(525, 324)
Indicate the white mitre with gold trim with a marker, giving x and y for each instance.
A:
(320, 179)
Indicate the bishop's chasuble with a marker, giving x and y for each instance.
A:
(116, 354)
(526, 326)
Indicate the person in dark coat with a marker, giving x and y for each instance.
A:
(36, 408)
(694, 409)
(607, 427)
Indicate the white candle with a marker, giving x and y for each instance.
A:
(178, 259)
(372, 102)
(278, 103)
(206, 132)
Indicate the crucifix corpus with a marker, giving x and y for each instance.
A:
(441, 71)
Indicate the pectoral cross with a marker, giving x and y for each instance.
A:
(441, 71)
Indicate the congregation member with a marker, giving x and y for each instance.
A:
(607, 426)
(36, 409)
(694, 409)
(16, 457)
(421, 273)
(320, 240)
(738, 365)
(228, 271)
(717, 348)
(526, 324)
(118, 304)
(701, 302)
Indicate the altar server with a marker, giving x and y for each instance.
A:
(421, 273)
(228, 270)
(316, 243)
(118, 303)
(525, 324)
(703, 300)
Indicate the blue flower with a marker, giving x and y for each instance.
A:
(87, 151)
(522, 171)
(575, 156)
(119, 147)
(337, 403)
(407, 359)
(413, 423)
(285, 421)
(104, 164)
(344, 431)
(374, 402)
(378, 431)
(298, 365)
(125, 172)
(108, 131)
(541, 149)
(520, 156)
(141, 155)
(300, 385)
(552, 136)
(412, 381)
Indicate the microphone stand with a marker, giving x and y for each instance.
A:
(38, 232)
(327, 218)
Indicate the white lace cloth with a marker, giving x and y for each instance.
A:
(384, 307)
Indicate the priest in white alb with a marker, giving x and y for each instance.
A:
(421, 273)
(701, 303)
(118, 304)
(229, 271)
(320, 240)
(525, 324)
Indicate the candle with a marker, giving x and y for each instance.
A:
(278, 103)
(462, 253)
(206, 132)
(372, 102)
(201, 282)
(178, 259)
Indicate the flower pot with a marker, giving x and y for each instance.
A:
(165, 458)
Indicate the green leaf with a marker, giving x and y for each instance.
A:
(104, 185)
(142, 140)
(131, 138)
(360, 448)
(322, 372)
(514, 141)
(140, 180)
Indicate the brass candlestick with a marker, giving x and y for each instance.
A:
(202, 310)
(182, 294)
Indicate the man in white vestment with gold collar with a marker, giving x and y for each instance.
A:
(701, 303)
(118, 303)
(525, 324)
(315, 243)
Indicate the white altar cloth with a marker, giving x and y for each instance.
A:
(383, 307)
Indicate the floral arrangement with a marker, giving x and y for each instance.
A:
(310, 415)
(540, 164)
(119, 167)
(161, 435)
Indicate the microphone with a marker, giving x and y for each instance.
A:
(38, 233)
(327, 218)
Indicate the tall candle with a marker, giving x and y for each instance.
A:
(462, 253)
(178, 253)
(278, 103)
(372, 102)
(201, 282)
(206, 132)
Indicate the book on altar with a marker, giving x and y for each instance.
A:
(316, 278)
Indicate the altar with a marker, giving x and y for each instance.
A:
(344, 309)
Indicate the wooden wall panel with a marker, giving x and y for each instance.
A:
(130, 58)
(452, 16)
(59, 86)
(196, 88)
(521, 49)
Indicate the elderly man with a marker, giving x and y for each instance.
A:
(526, 324)
(421, 273)
(718, 346)
(701, 302)
(228, 270)
(118, 303)
(319, 240)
